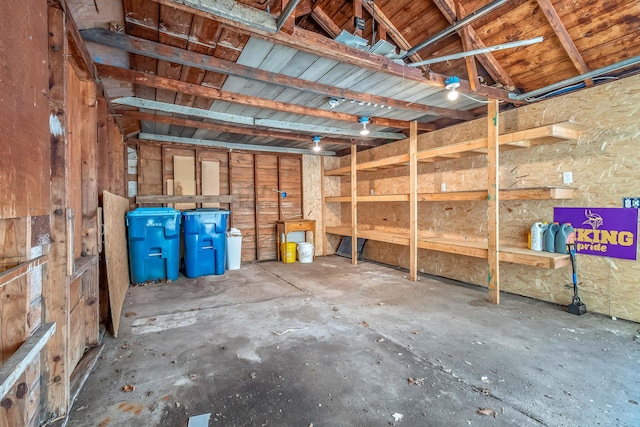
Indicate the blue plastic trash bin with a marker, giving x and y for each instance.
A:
(204, 234)
(154, 244)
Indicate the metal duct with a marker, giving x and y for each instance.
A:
(591, 74)
(455, 27)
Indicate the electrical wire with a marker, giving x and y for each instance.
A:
(569, 88)
(476, 100)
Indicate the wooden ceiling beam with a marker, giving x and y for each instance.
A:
(465, 35)
(487, 60)
(154, 81)
(238, 130)
(155, 50)
(258, 24)
(565, 39)
(237, 119)
(326, 23)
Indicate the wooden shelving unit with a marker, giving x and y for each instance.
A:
(512, 254)
(488, 248)
(536, 193)
(547, 134)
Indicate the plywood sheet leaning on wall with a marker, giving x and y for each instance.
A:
(149, 170)
(184, 182)
(115, 244)
(210, 181)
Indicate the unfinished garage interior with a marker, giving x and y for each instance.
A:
(421, 147)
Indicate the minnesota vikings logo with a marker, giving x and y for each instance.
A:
(593, 219)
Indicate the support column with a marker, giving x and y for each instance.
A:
(56, 292)
(354, 206)
(413, 201)
(493, 202)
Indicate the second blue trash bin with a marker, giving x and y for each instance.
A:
(204, 234)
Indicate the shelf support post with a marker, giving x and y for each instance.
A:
(493, 202)
(354, 207)
(413, 201)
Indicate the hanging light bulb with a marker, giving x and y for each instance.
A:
(451, 84)
(316, 140)
(364, 120)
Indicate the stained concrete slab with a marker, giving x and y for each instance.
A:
(331, 344)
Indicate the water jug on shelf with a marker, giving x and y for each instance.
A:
(550, 237)
(564, 236)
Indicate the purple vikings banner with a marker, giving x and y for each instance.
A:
(610, 232)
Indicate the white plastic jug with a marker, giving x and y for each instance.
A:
(537, 236)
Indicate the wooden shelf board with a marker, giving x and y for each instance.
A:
(337, 199)
(343, 171)
(536, 193)
(526, 256)
(541, 135)
(511, 254)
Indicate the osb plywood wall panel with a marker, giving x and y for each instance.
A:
(312, 198)
(24, 111)
(605, 168)
(332, 211)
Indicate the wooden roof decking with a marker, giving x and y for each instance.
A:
(579, 35)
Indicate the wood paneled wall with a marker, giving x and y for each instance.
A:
(254, 178)
(605, 168)
(24, 197)
(55, 134)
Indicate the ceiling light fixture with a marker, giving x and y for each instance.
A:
(333, 103)
(364, 120)
(316, 140)
(451, 84)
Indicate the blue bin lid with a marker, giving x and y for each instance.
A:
(153, 211)
(205, 211)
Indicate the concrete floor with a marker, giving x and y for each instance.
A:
(331, 344)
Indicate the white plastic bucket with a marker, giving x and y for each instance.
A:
(305, 252)
(234, 249)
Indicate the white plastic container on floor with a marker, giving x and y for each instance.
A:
(305, 252)
(234, 249)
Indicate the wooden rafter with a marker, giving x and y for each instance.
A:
(327, 24)
(390, 29)
(565, 39)
(151, 80)
(253, 24)
(487, 60)
(465, 35)
(240, 130)
(151, 49)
